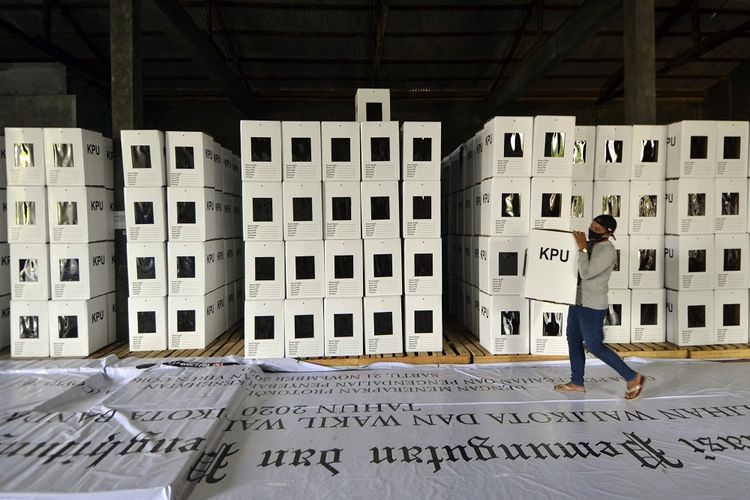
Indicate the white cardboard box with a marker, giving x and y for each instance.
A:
(690, 206)
(239, 258)
(383, 267)
(194, 268)
(554, 138)
(340, 151)
(380, 210)
(372, 105)
(468, 227)
(504, 324)
(29, 271)
(550, 203)
(505, 206)
(470, 320)
(112, 318)
(344, 326)
(647, 207)
(731, 149)
(381, 157)
(190, 160)
(5, 270)
(146, 214)
(218, 151)
(237, 215)
(78, 327)
(501, 265)
(27, 214)
(621, 273)
(228, 204)
(691, 149)
(689, 262)
(29, 329)
(305, 269)
(191, 214)
(423, 323)
(343, 268)
(262, 209)
(421, 209)
(584, 153)
(221, 310)
(612, 198)
(551, 253)
(476, 207)
(303, 211)
(80, 271)
(264, 270)
(731, 316)
(303, 328)
(108, 162)
(467, 260)
(507, 146)
(617, 319)
(264, 329)
(231, 294)
(227, 158)
(730, 205)
(423, 272)
(646, 262)
(74, 157)
(422, 149)
(477, 171)
(147, 323)
(194, 322)
(342, 210)
(143, 160)
(581, 205)
(383, 325)
(613, 153)
(300, 151)
(649, 153)
(648, 315)
(731, 265)
(24, 154)
(78, 214)
(474, 261)
(260, 145)
(548, 334)
(690, 317)
(147, 269)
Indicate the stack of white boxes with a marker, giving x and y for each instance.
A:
(195, 251)
(28, 236)
(262, 233)
(706, 226)
(422, 248)
(80, 209)
(383, 253)
(145, 194)
(342, 230)
(5, 290)
(641, 244)
(500, 224)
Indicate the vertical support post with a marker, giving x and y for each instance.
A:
(640, 62)
(127, 113)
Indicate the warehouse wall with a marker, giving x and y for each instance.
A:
(729, 99)
(35, 95)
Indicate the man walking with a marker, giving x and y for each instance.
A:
(596, 260)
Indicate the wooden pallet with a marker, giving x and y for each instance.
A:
(661, 350)
(480, 355)
(724, 351)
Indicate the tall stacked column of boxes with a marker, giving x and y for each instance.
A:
(145, 194)
(502, 162)
(640, 265)
(5, 290)
(422, 247)
(706, 226)
(195, 250)
(28, 236)
(551, 195)
(342, 229)
(383, 310)
(79, 175)
(302, 213)
(262, 233)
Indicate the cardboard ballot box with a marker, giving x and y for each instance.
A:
(340, 151)
(551, 253)
(24, 157)
(264, 329)
(584, 153)
(260, 145)
(147, 323)
(143, 160)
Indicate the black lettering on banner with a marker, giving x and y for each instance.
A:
(210, 465)
(298, 457)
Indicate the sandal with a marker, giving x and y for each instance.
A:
(569, 387)
(635, 391)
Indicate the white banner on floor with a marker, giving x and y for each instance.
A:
(115, 429)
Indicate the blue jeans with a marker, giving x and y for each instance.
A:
(586, 325)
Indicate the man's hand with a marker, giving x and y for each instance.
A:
(580, 238)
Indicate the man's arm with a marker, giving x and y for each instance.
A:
(601, 259)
